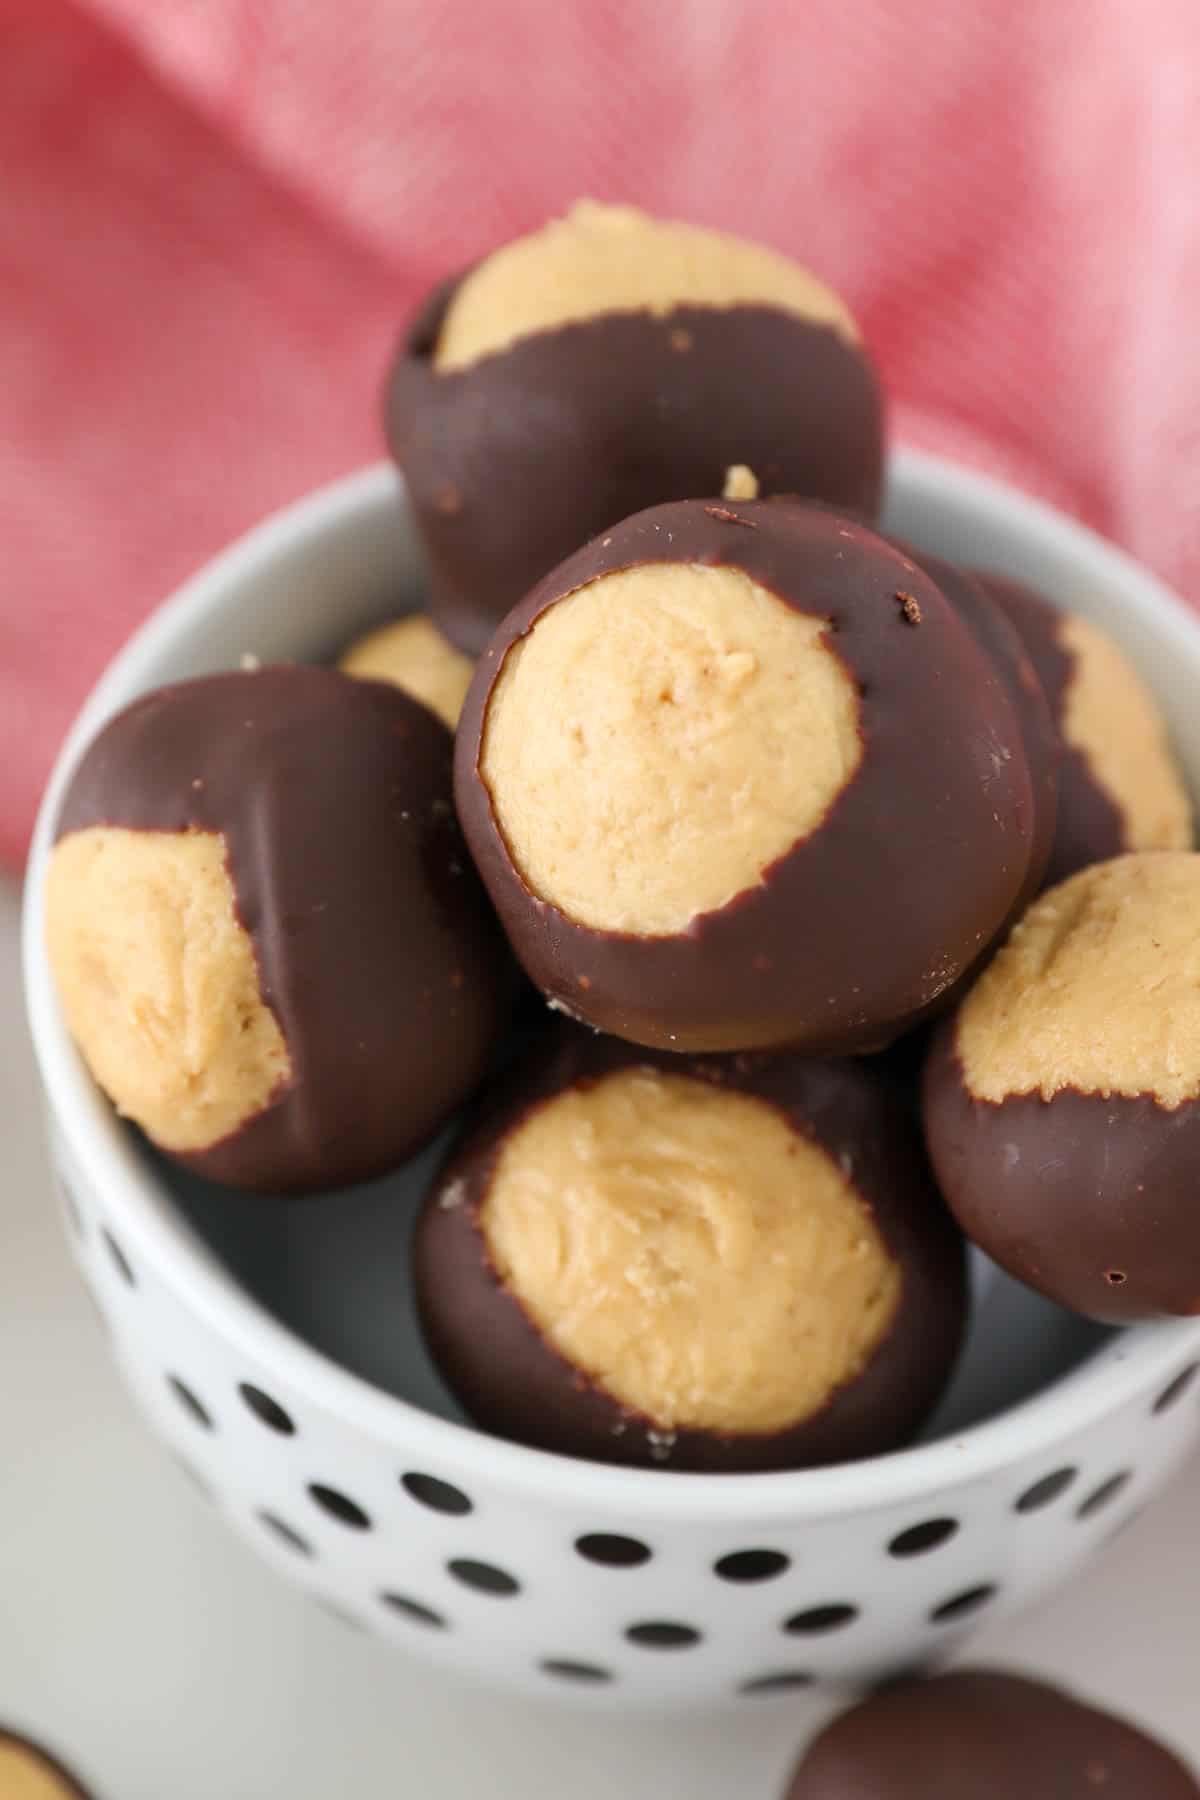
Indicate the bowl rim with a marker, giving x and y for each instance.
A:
(1129, 1364)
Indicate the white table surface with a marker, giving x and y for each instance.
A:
(168, 1664)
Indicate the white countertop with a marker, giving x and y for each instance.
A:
(168, 1664)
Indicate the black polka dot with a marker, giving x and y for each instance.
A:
(961, 1606)
(267, 1411)
(339, 1507)
(194, 1408)
(582, 1672)
(1178, 1388)
(427, 1490)
(486, 1578)
(662, 1634)
(821, 1618)
(286, 1534)
(414, 1610)
(919, 1539)
(120, 1261)
(1045, 1491)
(1104, 1495)
(751, 1565)
(613, 1551)
(780, 1682)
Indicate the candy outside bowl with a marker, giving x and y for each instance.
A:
(273, 1346)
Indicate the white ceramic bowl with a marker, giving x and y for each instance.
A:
(273, 1346)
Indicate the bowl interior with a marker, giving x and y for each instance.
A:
(335, 1271)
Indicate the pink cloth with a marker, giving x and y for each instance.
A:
(214, 215)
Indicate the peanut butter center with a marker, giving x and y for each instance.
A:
(1098, 988)
(659, 738)
(704, 1263)
(414, 655)
(1109, 715)
(615, 259)
(159, 983)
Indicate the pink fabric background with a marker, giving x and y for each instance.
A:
(214, 214)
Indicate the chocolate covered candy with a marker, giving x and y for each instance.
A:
(997, 636)
(979, 1734)
(1120, 786)
(1062, 1100)
(737, 776)
(718, 1264)
(605, 363)
(267, 936)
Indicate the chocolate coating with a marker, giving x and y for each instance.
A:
(979, 1734)
(1086, 1198)
(513, 1382)
(516, 461)
(68, 1785)
(997, 635)
(376, 949)
(1089, 825)
(901, 1065)
(853, 933)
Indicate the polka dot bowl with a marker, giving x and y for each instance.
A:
(273, 1348)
